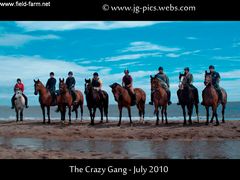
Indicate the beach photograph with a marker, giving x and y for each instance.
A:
(119, 90)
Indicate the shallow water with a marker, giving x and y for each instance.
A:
(171, 149)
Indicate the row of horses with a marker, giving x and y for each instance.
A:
(121, 95)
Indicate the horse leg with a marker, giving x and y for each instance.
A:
(93, 115)
(76, 113)
(207, 110)
(162, 112)
(165, 113)
(190, 110)
(157, 113)
(211, 121)
(120, 115)
(48, 114)
(69, 113)
(16, 115)
(81, 107)
(184, 115)
(101, 113)
(223, 113)
(196, 107)
(215, 114)
(43, 112)
(129, 115)
(21, 115)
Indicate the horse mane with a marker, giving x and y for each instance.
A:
(115, 85)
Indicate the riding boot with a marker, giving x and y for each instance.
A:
(73, 96)
(12, 100)
(169, 97)
(178, 94)
(26, 100)
(220, 96)
(151, 102)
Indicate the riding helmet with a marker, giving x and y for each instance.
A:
(51, 73)
(95, 74)
(186, 69)
(18, 79)
(126, 70)
(160, 68)
(211, 67)
(70, 73)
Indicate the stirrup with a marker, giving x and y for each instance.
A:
(150, 103)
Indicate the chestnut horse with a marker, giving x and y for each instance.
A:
(94, 101)
(160, 99)
(123, 99)
(187, 99)
(210, 99)
(45, 98)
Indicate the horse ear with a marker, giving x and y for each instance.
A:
(63, 79)
(111, 86)
(60, 79)
(34, 80)
(38, 80)
(151, 76)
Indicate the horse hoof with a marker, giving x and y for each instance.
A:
(119, 124)
(217, 124)
(101, 122)
(223, 121)
(48, 122)
(206, 123)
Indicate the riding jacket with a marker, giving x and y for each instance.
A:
(19, 86)
(70, 82)
(126, 80)
(51, 84)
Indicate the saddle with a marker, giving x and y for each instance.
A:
(133, 97)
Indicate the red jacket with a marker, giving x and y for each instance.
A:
(19, 86)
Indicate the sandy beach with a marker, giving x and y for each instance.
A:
(108, 132)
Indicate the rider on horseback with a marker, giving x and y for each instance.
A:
(97, 84)
(127, 82)
(188, 79)
(19, 85)
(215, 82)
(164, 81)
(51, 86)
(70, 82)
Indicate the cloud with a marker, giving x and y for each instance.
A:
(191, 38)
(21, 39)
(73, 25)
(130, 57)
(175, 55)
(228, 58)
(147, 46)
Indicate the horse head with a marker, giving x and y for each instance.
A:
(37, 86)
(181, 81)
(116, 91)
(88, 86)
(62, 86)
(208, 79)
(155, 83)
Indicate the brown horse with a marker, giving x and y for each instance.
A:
(160, 99)
(78, 103)
(45, 98)
(123, 99)
(94, 101)
(210, 99)
(188, 99)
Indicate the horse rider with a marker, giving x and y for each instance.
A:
(19, 85)
(215, 82)
(70, 82)
(164, 81)
(97, 84)
(188, 79)
(51, 86)
(127, 83)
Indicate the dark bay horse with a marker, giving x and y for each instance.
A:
(45, 98)
(123, 99)
(187, 99)
(64, 100)
(210, 99)
(94, 101)
(160, 99)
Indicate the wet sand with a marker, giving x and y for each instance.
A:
(113, 139)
